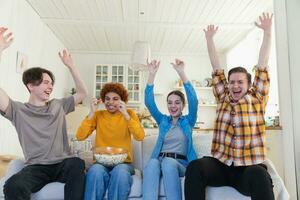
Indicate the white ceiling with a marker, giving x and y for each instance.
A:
(171, 26)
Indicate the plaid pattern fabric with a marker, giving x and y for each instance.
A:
(239, 130)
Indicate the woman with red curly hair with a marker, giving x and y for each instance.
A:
(114, 127)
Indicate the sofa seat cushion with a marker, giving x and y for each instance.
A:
(55, 190)
(136, 187)
(224, 193)
(51, 191)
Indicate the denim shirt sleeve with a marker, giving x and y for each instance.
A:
(151, 105)
(192, 103)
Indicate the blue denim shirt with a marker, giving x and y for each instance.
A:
(186, 122)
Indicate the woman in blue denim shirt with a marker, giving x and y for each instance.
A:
(174, 146)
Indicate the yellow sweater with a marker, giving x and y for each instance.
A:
(112, 130)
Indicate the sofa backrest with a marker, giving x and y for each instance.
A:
(143, 149)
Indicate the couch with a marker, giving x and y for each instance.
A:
(142, 151)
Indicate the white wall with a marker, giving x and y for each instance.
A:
(287, 40)
(34, 39)
(197, 68)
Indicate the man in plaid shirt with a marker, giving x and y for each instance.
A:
(238, 147)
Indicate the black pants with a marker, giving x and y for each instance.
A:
(34, 177)
(252, 181)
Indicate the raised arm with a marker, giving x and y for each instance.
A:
(179, 67)
(5, 41)
(210, 31)
(265, 23)
(88, 125)
(190, 92)
(81, 91)
(152, 68)
(149, 94)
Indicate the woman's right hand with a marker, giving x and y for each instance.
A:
(94, 106)
(153, 66)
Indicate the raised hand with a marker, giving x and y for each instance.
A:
(123, 109)
(5, 40)
(153, 66)
(265, 22)
(94, 106)
(210, 31)
(66, 58)
(178, 65)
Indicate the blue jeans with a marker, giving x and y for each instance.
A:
(171, 170)
(116, 180)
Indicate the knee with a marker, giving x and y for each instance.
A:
(258, 174)
(75, 164)
(122, 173)
(13, 187)
(194, 165)
(96, 171)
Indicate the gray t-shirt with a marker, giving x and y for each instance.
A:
(42, 130)
(175, 141)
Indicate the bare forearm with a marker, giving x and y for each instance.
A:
(214, 60)
(183, 76)
(151, 78)
(264, 52)
(4, 100)
(81, 90)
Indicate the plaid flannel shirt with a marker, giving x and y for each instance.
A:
(239, 130)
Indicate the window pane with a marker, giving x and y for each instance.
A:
(136, 96)
(114, 70)
(105, 70)
(120, 79)
(105, 79)
(130, 95)
(121, 70)
(136, 79)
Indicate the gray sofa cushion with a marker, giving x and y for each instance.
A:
(51, 191)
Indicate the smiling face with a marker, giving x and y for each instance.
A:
(112, 101)
(238, 85)
(42, 91)
(175, 105)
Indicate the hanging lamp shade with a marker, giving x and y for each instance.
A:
(141, 52)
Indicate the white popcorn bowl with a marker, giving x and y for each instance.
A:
(110, 156)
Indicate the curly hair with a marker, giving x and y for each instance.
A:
(116, 88)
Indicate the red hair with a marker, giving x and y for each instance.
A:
(117, 88)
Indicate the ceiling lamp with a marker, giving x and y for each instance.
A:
(141, 52)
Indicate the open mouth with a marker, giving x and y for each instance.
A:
(173, 111)
(237, 93)
(111, 107)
